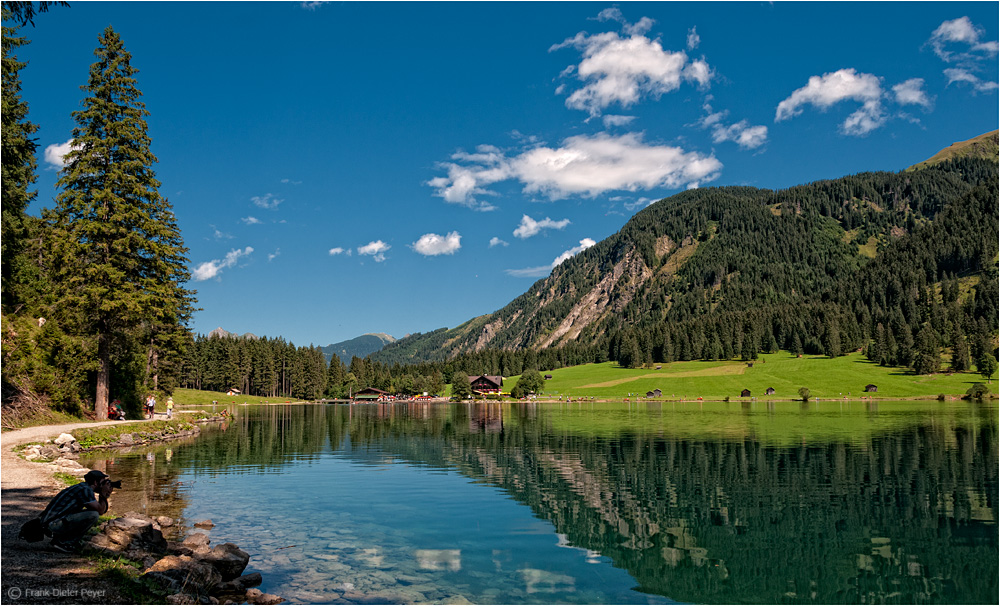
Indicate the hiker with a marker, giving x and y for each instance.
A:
(170, 407)
(151, 406)
(71, 513)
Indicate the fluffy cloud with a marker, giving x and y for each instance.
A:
(433, 244)
(251, 220)
(543, 270)
(375, 249)
(55, 154)
(272, 256)
(583, 165)
(611, 120)
(211, 269)
(693, 39)
(843, 85)
(911, 92)
(267, 201)
(955, 74)
(495, 241)
(741, 133)
(336, 251)
(529, 227)
(624, 68)
(966, 35)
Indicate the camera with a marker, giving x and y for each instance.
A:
(115, 483)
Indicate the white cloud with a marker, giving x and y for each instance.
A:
(961, 32)
(611, 120)
(583, 165)
(289, 181)
(624, 69)
(544, 270)
(251, 220)
(433, 244)
(55, 154)
(529, 227)
(693, 39)
(273, 255)
(955, 74)
(845, 84)
(211, 269)
(336, 251)
(495, 241)
(267, 201)
(375, 249)
(911, 92)
(741, 133)
(313, 4)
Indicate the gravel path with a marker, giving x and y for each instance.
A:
(34, 573)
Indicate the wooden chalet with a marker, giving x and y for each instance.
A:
(547, 377)
(233, 392)
(370, 394)
(871, 387)
(656, 393)
(485, 384)
(770, 391)
(745, 393)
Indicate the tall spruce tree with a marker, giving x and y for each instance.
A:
(120, 257)
(18, 160)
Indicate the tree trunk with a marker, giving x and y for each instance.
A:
(103, 374)
(156, 368)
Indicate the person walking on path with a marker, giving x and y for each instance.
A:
(71, 513)
(170, 407)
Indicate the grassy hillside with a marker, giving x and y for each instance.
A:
(985, 146)
(824, 377)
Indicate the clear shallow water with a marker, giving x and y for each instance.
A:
(842, 502)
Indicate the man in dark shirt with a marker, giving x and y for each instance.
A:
(72, 512)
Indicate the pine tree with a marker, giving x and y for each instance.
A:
(119, 255)
(18, 160)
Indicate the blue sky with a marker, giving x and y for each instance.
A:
(339, 169)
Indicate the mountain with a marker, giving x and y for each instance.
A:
(984, 146)
(719, 272)
(359, 346)
(223, 334)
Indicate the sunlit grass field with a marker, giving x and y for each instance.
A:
(825, 378)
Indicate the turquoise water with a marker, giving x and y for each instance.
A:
(593, 503)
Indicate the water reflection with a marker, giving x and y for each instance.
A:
(842, 502)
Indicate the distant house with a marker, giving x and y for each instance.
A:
(749, 364)
(485, 384)
(233, 392)
(658, 367)
(871, 387)
(770, 391)
(745, 393)
(370, 394)
(547, 377)
(657, 393)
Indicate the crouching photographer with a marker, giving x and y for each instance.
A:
(72, 512)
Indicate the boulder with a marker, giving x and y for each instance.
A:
(48, 452)
(64, 438)
(198, 539)
(228, 559)
(206, 524)
(165, 521)
(184, 574)
(126, 439)
(241, 584)
(135, 534)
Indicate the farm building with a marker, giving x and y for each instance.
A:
(871, 387)
(485, 384)
(370, 394)
(745, 393)
(770, 391)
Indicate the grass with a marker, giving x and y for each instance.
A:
(67, 478)
(194, 397)
(825, 378)
(108, 434)
(126, 576)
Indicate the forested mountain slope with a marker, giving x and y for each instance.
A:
(720, 272)
(358, 346)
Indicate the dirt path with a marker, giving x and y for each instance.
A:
(34, 573)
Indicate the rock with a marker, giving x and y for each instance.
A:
(195, 540)
(206, 524)
(181, 598)
(241, 584)
(165, 521)
(256, 596)
(126, 439)
(135, 534)
(49, 452)
(64, 438)
(184, 574)
(228, 559)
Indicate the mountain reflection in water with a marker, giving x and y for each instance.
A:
(713, 503)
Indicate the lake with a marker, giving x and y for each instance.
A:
(592, 503)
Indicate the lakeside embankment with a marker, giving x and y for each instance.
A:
(33, 573)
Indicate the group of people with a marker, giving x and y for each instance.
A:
(151, 407)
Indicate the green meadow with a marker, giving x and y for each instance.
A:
(825, 378)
